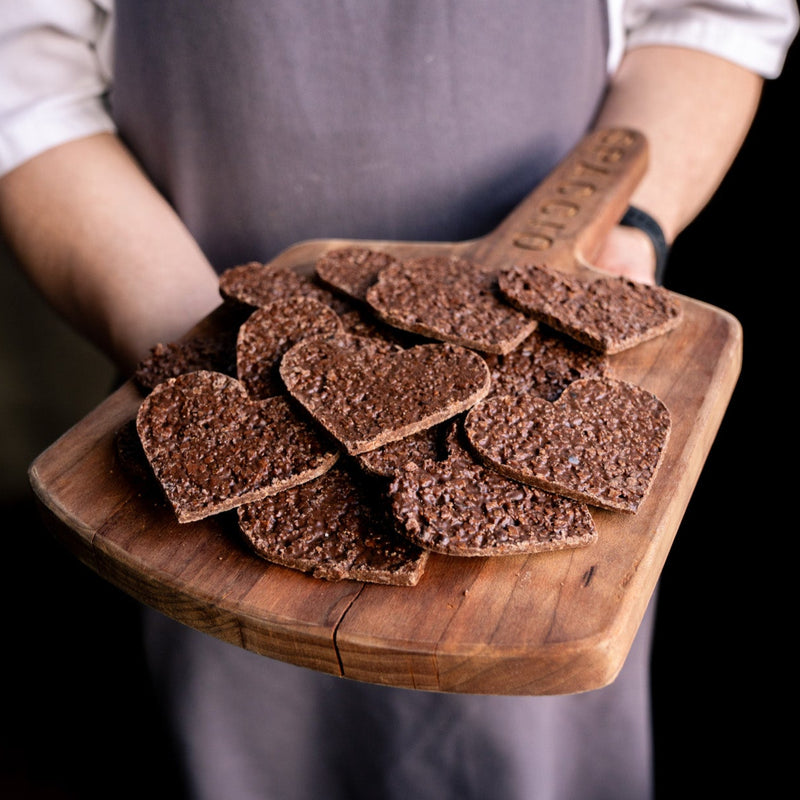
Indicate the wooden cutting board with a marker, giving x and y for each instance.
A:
(520, 625)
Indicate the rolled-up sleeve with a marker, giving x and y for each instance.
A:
(55, 72)
(756, 35)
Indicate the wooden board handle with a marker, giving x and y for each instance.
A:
(565, 219)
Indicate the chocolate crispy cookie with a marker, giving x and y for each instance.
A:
(211, 449)
(204, 350)
(330, 528)
(216, 353)
(609, 314)
(256, 284)
(385, 461)
(449, 299)
(461, 508)
(270, 331)
(544, 365)
(366, 393)
(351, 270)
(601, 441)
(363, 323)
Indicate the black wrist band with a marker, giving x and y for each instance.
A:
(636, 218)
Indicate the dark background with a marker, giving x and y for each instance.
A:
(722, 671)
(722, 678)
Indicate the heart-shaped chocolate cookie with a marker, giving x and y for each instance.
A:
(366, 393)
(601, 441)
(216, 353)
(212, 349)
(461, 508)
(544, 365)
(449, 299)
(332, 528)
(351, 270)
(385, 461)
(270, 331)
(212, 449)
(364, 323)
(256, 284)
(609, 314)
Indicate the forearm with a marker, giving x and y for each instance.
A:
(695, 110)
(104, 248)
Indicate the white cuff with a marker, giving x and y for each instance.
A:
(48, 125)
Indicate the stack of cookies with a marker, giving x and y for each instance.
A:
(382, 409)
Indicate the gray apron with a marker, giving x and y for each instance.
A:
(266, 123)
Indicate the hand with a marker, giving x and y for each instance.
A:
(628, 252)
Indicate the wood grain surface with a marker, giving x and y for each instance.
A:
(519, 625)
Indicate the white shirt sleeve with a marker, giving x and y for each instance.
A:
(755, 34)
(55, 70)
